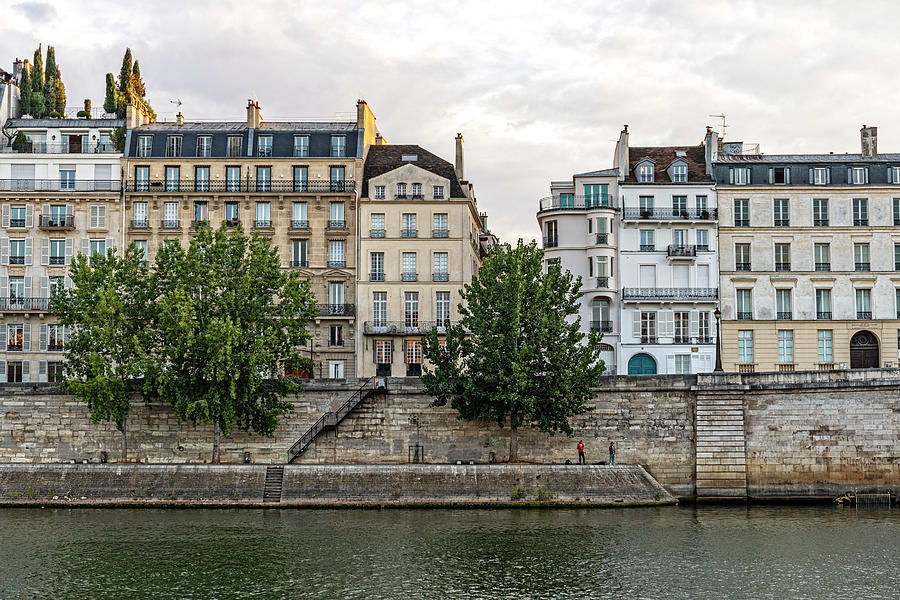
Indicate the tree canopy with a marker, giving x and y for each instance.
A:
(517, 355)
(41, 89)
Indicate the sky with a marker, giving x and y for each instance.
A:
(539, 90)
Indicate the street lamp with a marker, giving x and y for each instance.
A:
(718, 369)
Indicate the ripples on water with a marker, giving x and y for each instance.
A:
(666, 552)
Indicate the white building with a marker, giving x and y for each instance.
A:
(579, 222)
(667, 246)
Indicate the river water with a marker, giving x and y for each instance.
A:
(666, 552)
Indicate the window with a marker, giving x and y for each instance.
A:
(822, 254)
(437, 192)
(742, 213)
(16, 337)
(702, 240)
(336, 335)
(141, 179)
(551, 235)
(204, 146)
(201, 179)
(97, 217)
(299, 215)
(17, 295)
(782, 257)
(264, 145)
(440, 228)
(263, 215)
(383, 352)
(785, 346)
(680, 237)
(17, 252)
(173, 179)
(234, 146)
(701, 203)
(58, 252)
(301, 146)
(59, 216)
(232, 214)
(417, 191)
(645, 173)
(55, 371)
(408, 226)
(897, 257)
(645, 204)
(440, 267)
(233, 179)
(820, 212)
(682, 327)
(56, 337)
(411, 310)
(97, 248)
(336, 214)
(893, 174)
(679, 173)
(17, 216)
(145, 146)
(413, 358)
(376, 272)
(826, 346)
(408, 262)
(603, 273)
(66, 178)
(337, 179)
(820, 176)
(335, 369)
(648, 328)
(703, 327)
(860, 212)
(779, 175)
(173, 145)
(679, 206)
(783, 304)
(301, 175)
(742, 257)
(376, 225)
(170, 215)
(590, 266)
(861, 257)
(683, 364)
(647, 243)
(740, 176)
(744, 305)
(897, 211)
(338, 143)
(336, 297)
(595, 195)
(782, 213)
(857, 175)
(143, 251)
(401, 191)
(379, 309)
(897, 299)
(298, 253)
(823, 304)
(336, 254)
(379, 192)
(864, 303)
(745, 346)
(442, 308)
(263, 179)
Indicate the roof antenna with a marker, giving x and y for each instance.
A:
(721, 116)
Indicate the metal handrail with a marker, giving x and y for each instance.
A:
(57, 185)
(239, 186)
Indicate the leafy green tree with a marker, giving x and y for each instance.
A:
(20, 142)
(51, 77)
(110, 102)
(117, 137)
(138, 83)
(229, 319)
(60, 94)
(37, 71)
(25, 89)
(123, 98)
(517, 355)
(38, 105)
(107, 311)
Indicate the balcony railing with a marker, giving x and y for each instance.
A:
(17, 260)
(742, 266)
(409, 233)
(336, 310)
(829, 366)
(551, 242)
(411, 326)
(746, 368)
(783, 315)
(440, 233)
(604, 326)
(821, 222)
(55, 185)
(648, 248)
(863, 315)
(782, 222)
(60, 222)
(24, 304)
(823, 266)
(823, 315)
(232, 186)
(376, 233)
(603, 282)
(577, 202)
(232, 222)
(299, 224)
(860, 222)
(744, 316)
(297, 264)
(55, 346)
(862, 266)
(17, 222)
(681, 251)
(376, 276)
(140, 224)
(169, 224)
(670, 293)
(440, 276)
(57, 260)
(409, 277)
(742, 222)
(337, 223)
(671, 214)
(61, 148)
(262, 224)
(783, 266)
(337, 264)
(14, 347)
(602, 239)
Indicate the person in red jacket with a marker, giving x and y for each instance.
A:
(580, 452)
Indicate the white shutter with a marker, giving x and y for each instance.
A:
(67, 283)
(42, 370)
(45, 252)
(86, 247)
(4, 331)
(70, 250)
(70, 210)
(101, 217)
(42, 340)
(94, 216)
(666, 323)
(695, 323)
(66, 331)
(110, 244)
(4, 288)
(636, 322)
(4, 251)
(29, 250)
(28, 289)
(29, 215)
(26, 337)
(4, 215)
(45, 211)
(26, 371)
(670, 363)
(45, 287)
(3, 366)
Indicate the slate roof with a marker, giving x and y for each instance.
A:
(235, 126)
(64, 123)
(601, 173)
(805, 158)
(663, 156)
(383, 159)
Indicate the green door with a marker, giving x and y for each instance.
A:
(641, 364)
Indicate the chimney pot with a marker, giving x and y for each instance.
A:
(254, 117)
(179, 118)
(460, 158)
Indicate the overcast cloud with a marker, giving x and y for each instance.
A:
(539, 90)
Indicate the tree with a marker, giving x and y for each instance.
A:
(60, 94)
(137, 82)
(38, 102)
(25, 89)
(123, 98)
(20, 142)
(106, 311)
(228, 319)
(117, 138)
(51, 76)
(516, 357)
(110, 103)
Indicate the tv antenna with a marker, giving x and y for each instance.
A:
(721, 116)
(176, 102)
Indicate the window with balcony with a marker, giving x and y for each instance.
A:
(18, 298)
(379, 309)
(822, 254)
(645, 206)
(647, 242)
(604, 271)
(233, 179)
(263, 215)
(413, 358)
(857, 175)
(338, 146)
(860, 212)
(16, 337)
(376, 269)
(823, 304)
(56, 337)
(440, 228)
(204, 146)
(442, 308)
(336, 258)
(376, 225)
(17, 252)
(201, 214)
(679, 206)
(338, 183)
(234, 146)
(201, 179)
(742, 212)
(401, 191)
(57, 252)
(861, 257)
(682, 327)
(417, 191)
(647, 330)
(742, 257)
(600, 316)
(59, 217)
(97, 249)
(264, 145)
(745, 346)
(173, 145)
(595, 195)
(263, 179)
(551, 235)
(408, 226)
(299, 215)
(782, 212)
(379, 192)
(782, 257)
(336, 215)
(17, 216)
(142, 179)
(408, 262)
(739, 175)
(783, 304)
(744, 305)
(411, 310)
(820, 212)
(170, 215)
(785, 346)
(145, 146)
(701, 203)
(298, 253)
(173, 179)
(232, 214)
(440, 269)
(66, 178)
(680, 173)
(702, 240)
(897, 211)
(301, 178)
(301, 146)
(336, 298)
(863, 303)
(826, 345)
(438, 192)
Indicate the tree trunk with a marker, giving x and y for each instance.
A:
(216, 434)
(513, 444)
(124, 440)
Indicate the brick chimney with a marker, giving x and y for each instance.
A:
(460, 159)
(254, 117)
(868, 138)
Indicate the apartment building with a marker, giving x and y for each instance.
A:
(295, 182)
(580, 226)
(810, 258)
(667, 246)
(59, 195)
(421, 240)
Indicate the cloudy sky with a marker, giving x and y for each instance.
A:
(539, 90)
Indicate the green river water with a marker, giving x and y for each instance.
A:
(667, 552)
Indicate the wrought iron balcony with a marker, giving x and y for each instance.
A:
(379, 276)
(604, 326)
(742, 222)
(14, 347)
(577, 202)
(863, 315)
(782, 222)
(409, 233)
(706, 294)
(823, 315)
(782, 266)
(860, 222)
(58, 222)
(17, 222)
(440, 233)
(681, 251)
(409, 277)
(55, 346)
(261, 224)
(299, 224)
(17, 260)
(62, 148)
(603, 282)
(440, 276)
(140, 224)
(783, 316)
(297, 264)
(742, 266)
(648, 248)
(336, 310)
(744, 316)
(169, 224)
(228, 186)
(602, 239)
(551, 242)
(337, 223)
(823, 266)
(376, 233)
(670, 214)
(337, 264)
(55, 185)
(57, 260)
(862, 266)
(823, 222)
(407, 327)
(232, 222)
(24, 304)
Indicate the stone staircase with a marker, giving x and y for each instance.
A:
(274, 482)
(721, 450)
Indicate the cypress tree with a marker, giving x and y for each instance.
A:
(37, 74)
(60, 94)
(51, 75)
(25, 89)
(138, 83)
(125, 76)
(109, 103)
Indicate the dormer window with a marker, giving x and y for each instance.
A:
(417, 190)
(740, 176)
(264, 145)
(401, 191)
(679, 173)
(894, 175)
(780, 175)
(857, 175)
(820, 176)
(173, 145)
(145, 145)
(645, 173)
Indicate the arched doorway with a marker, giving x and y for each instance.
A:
(641, 364)
(864, 351)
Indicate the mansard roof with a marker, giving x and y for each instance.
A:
(386, 158)
(663, 157)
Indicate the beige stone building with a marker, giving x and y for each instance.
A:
(809, 251)
(293, 181)
(421, 239)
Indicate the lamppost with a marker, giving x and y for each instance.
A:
(718, 369)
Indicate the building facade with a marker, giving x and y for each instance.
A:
(810, 258)
(295, 182)
(421, 239)
(60, 194)
(667, 247)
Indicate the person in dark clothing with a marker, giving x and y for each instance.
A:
(612, 453)
(580, 452)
